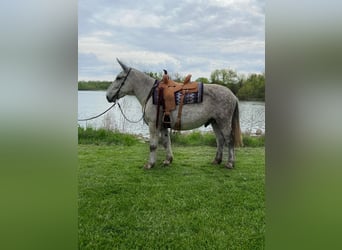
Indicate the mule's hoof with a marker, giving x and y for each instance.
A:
(216, 162)
(166, 162)
(229, 165)
(148, 166)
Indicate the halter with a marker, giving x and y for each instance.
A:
(123, 82)
(155, 85)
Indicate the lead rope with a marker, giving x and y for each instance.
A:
(129, 119)
(96, 116)
(93, 117)
(156, 82)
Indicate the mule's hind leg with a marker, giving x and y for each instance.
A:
(219, 142)
(231, 154)
(154, 134)
(167, 145)
(226, 131)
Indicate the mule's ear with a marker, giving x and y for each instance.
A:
(123, 66)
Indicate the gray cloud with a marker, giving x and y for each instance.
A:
(183, 36)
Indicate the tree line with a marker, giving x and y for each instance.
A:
(251, 87)
(93, 85)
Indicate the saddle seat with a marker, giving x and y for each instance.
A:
(167, 89)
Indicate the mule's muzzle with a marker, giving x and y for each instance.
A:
(109, 99)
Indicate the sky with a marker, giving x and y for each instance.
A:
(183, 36)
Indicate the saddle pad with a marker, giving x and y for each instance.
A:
(189, 98)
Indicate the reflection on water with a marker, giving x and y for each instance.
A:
(252, 116)
(90, 103)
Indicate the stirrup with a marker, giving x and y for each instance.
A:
(166, 121)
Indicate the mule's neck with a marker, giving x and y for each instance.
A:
(142, 86)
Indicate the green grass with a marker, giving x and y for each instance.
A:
(102, 136)
(189, 205)
(194, 139)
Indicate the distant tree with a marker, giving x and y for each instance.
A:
(93, 85)
(227, 78)
(177, 77)
(253, 88)
(215, 77)
(202, 79)
(155, 75)
(242, 78)
(224, 76)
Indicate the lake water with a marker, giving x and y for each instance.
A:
(91, 103)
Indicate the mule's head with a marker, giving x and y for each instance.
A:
(122, 84)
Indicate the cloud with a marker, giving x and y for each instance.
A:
(184, 36)
(128, 18)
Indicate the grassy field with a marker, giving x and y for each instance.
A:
(102, 136)
(189, 205)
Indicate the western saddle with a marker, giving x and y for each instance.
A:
(166, 97)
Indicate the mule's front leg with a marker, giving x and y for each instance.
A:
(153, 146)
(167, 145)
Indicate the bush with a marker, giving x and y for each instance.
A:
(253, 141)
(102, 136)
(208, 139)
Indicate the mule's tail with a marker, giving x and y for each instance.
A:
(236, 131)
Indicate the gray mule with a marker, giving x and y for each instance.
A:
(219, 108)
